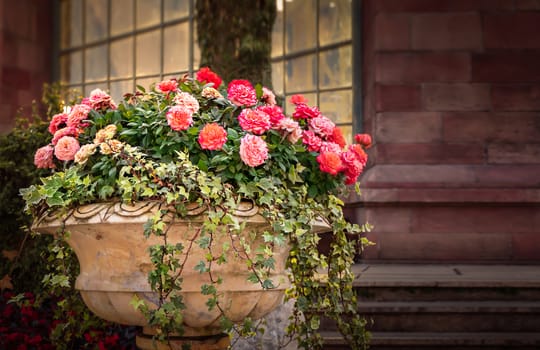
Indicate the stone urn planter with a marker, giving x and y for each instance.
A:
(114, 262)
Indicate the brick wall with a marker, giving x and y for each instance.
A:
(25, 60)
(452, 98)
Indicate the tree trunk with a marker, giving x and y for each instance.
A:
(235, 38)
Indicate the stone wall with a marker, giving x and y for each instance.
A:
(452, 99)
(26, 32)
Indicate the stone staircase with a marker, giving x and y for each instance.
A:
(472, 307)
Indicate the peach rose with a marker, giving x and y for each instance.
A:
(84, 153)
(212, 137)
(66, 148)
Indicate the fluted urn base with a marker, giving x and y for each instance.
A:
(220, 341)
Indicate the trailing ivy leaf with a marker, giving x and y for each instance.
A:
(208, 289)
(201, 267)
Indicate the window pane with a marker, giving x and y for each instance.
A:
(176, 51)
(71, 68)
(122, 58)
(300, 16)
(148, 54)
(174, 9)
(121, 16)
(334, 21)
(71, 17)
(337, 105)
(147, 82)
(277, 32)
(119, 88)
(148, 13)
(301, 74)
(335, 68)
(347, 132)
(96, 63)
(277, 78)
(96, 20)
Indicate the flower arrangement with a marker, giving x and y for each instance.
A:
(200, 140)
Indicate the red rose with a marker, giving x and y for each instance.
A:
(298, 99)
(167, 86)
(205, 76)
(337, 137)
(303, 111)
(330, 162)
(363, 139)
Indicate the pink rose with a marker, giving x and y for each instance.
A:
(66, 148)
(322, 126)
(58, 121)
(241, 93)
(303, 111)
(212, 137)
(268, 96)
(179, 118)
(44, 157)
(100, 100)
(77, 114)
(253, 150)
(67, 131)
(187, 100)
(329, 147)
(360, 153)
(167, 86)
(274, 112)
(312, 141)
(290, 127)
(255, 121)
(352, 166)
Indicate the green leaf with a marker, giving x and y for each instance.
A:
(201, 267)
(207, 289)
(56, 200)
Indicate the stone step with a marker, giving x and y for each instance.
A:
(415, 282)
(426, 293)
(428, 307)
(446, 276)
(441, 341)
(449, 316)
(453, 316)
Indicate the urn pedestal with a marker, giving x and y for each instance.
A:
(114, 262)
